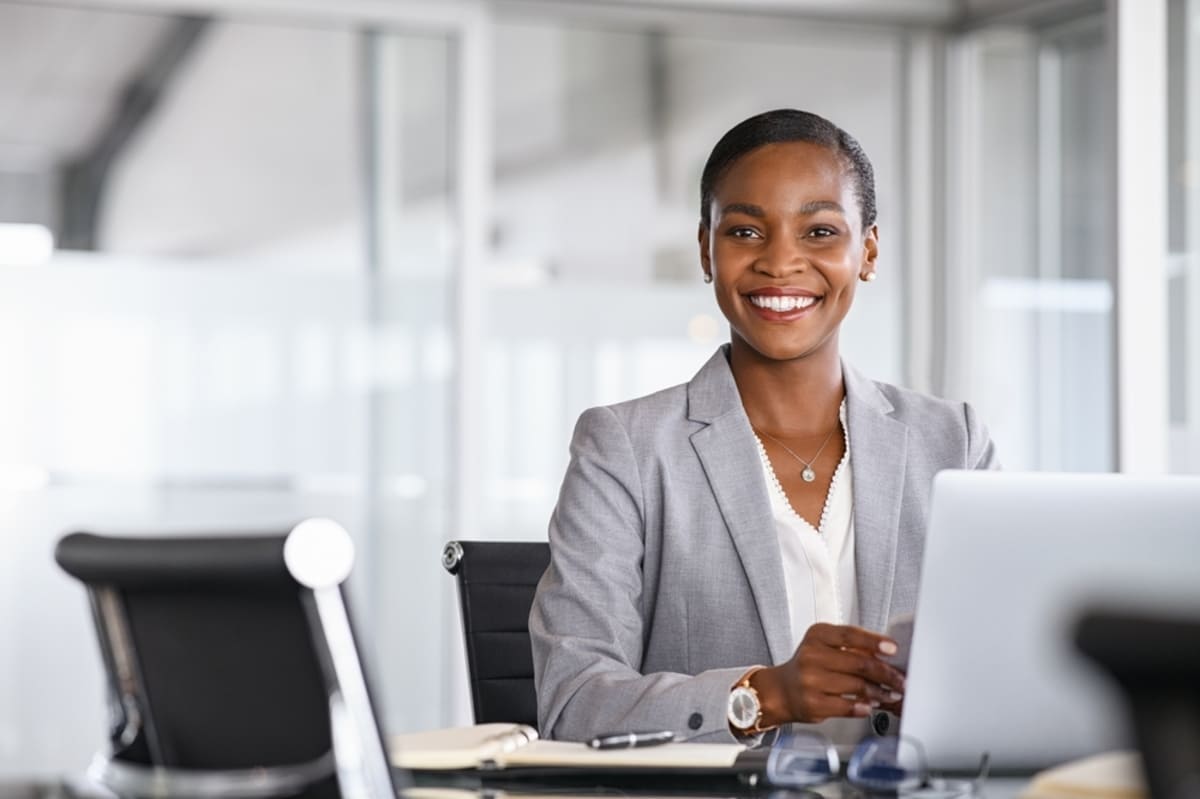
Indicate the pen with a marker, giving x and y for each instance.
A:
(631, 740)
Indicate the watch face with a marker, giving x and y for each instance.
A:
(743, 707)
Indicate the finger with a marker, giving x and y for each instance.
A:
(857, 664)
(843, 636)
(854, 688)
(826, 706)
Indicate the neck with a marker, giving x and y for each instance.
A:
(797, 397)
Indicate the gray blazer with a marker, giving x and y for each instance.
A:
(666, 580)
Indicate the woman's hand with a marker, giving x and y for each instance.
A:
(836, 671)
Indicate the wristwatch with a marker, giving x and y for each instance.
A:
(744, 711)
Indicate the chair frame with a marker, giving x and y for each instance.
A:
(306, 555)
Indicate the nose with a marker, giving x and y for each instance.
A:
(781, 257)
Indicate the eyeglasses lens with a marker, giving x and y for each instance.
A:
(886, 764)
(801, 760)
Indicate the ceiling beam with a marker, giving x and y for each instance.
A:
(83, 179)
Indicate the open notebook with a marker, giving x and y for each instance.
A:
(515, 747)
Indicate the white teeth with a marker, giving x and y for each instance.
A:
(781, 304)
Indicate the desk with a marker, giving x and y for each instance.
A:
(471, 788)
(1002, 788)
(995, 788)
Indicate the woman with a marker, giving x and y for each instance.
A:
(724, 553)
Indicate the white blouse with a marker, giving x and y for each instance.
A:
(818, 563)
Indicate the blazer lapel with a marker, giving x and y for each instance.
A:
(878, 453)
(725, 447)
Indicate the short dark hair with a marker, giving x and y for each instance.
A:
(788, 125)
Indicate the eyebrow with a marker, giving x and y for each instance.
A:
(820, 205)
(808, 209)
(744, 208)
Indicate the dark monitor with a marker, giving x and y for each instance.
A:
(1155, 658)
(232, 666)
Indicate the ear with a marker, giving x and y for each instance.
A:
(703, 237)
(871, 247)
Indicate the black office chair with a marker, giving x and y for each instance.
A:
(496, 583)
(231, 665)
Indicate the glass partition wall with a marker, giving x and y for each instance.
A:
(594, 286)
(1183, 272)
(371, 264)
(1031, 266)
(248, 321)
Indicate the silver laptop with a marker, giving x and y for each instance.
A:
(1011, 560)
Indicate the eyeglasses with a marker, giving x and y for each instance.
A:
(894, 765)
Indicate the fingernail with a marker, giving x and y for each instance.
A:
(895, 696)
(862, 710)
(874, 703)
(887, 647)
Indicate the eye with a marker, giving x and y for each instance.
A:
(822, 232)
(743, 232)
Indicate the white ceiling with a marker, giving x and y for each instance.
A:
(62, 68)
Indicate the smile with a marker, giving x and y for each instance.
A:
(781, 304)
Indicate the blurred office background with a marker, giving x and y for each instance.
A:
(268, 259)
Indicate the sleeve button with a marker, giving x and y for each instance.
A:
(695, 721)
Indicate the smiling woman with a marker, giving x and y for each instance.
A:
(720, 564)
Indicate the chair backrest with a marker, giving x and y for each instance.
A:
(231, 663)
(496, 583)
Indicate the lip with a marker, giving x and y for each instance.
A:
(782, 291)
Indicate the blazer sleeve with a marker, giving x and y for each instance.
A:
(588, 625)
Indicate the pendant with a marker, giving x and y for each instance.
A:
(808, 474)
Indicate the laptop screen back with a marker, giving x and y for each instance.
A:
(1011, 561)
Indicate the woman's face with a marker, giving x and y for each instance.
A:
(785, 247)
